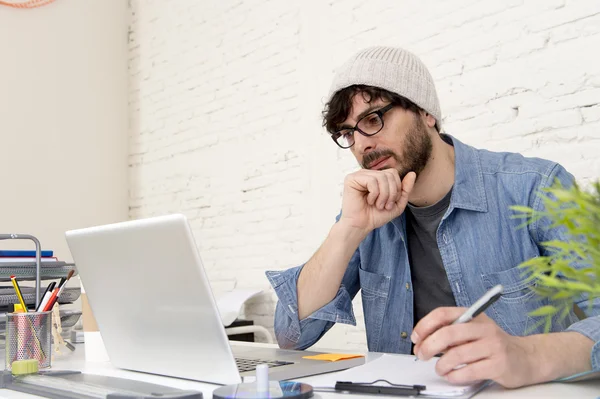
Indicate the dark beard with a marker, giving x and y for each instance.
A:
(415, 154)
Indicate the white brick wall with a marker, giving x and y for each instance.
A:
(226, 98)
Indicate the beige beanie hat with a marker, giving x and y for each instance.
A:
(393, 69)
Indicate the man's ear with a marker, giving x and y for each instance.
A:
(429, 119)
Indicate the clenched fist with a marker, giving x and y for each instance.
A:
(372, 198)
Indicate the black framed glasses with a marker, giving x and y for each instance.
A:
(368, 125)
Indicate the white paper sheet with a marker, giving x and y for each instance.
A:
(230, 304)
(400, 369)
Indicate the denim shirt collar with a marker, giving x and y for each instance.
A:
(468, 191)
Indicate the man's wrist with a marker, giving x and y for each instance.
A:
(557, 355)
(348, 233)
(537, 359)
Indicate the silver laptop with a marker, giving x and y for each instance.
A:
(155, 310)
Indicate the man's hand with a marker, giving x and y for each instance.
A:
(481, 350)
(371, 199)
(473, 351)
(374, 197)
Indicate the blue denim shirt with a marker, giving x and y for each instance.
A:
(480, 245)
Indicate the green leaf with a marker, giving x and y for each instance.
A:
(548, 324)
(565, 312)
(562, 295)
(534, 327)
(578, 286)
(523, 209)
(547, 310)
(569, 269)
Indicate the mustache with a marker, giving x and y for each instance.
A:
(373, 156)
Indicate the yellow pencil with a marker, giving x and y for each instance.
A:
(19, 295)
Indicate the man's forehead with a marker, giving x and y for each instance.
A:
(360, 103)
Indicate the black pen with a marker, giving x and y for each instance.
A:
(44, 298)
(357, 387)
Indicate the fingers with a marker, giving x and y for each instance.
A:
(408, 183)
(442, 340)
(382, 188)
(497, 356)
(462, 355)
(436, 319)
(372, 186)
(471, 373)
(407, 186)
(394, 184)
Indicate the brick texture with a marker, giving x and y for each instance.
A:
(225, 100)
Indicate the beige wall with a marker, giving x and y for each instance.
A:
(63, 118)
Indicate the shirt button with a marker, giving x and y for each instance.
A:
(403, 334)
(407, 286)
(445, 237)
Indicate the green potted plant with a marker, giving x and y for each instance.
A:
(578, 212)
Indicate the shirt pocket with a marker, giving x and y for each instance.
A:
(374, 293)
(511, 310)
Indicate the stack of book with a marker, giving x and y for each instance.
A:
(22, 265)
(12, 256)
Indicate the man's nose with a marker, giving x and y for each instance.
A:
(363, 144)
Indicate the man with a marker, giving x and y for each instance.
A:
(424, 231)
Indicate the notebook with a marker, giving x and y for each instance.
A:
(401, 369)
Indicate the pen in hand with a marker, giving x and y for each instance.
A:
(479, 306)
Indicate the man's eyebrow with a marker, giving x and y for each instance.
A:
(362, 114)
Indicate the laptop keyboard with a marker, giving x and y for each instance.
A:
(250, 364)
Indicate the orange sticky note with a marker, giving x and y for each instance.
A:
(332, 357)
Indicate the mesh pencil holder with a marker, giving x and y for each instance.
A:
(28, 336)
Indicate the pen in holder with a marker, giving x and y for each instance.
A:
(29, 336)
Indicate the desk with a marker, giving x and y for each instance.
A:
(76, 361)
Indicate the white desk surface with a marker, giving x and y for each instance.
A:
(76, 361)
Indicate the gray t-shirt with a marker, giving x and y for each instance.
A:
(430, 283)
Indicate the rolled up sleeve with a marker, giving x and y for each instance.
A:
(293, 333)
(590, 328)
